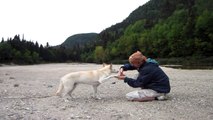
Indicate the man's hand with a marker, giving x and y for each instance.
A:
(120, 77)
(120, 73)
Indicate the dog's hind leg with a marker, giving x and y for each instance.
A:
(67, 89)
(60, 88)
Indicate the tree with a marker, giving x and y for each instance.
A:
(27, 57)
(47, 45)
(18, 57)
(6, 54)
(35, 57)
(99, 54)
(2, 40)
(204, 32)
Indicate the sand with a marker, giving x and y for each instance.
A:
(26, 92)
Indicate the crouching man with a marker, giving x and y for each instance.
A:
(152, 79)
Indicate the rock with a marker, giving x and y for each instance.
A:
(11, 78)
(49, 86)
(16, 85)
(1, 81)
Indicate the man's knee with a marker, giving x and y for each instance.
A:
(132, 95)
(145, 95)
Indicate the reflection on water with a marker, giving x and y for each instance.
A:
(188, 67)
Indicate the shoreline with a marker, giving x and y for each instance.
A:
(24, 92)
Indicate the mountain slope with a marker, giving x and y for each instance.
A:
(159, 28)
(151, 12)
(163, 28)
(80, 40)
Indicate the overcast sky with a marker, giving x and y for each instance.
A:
(55, 20)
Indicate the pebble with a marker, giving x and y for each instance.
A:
(16, 85)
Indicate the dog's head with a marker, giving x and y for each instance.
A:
(110, 67)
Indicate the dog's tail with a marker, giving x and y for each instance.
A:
(60, 88)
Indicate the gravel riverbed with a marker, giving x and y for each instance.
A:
(26, 92)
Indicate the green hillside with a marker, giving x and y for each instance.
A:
(80, 40)
(159, 28)
(164, 28)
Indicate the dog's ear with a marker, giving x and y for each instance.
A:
(104, 64)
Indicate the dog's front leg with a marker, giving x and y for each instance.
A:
(96, 95)
(106, 78)
(70, 92)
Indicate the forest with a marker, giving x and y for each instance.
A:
(20, 51)
(161, 29)
(184, 29)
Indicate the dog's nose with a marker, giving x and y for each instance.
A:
(114, 71)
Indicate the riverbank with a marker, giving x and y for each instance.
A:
(26, 93)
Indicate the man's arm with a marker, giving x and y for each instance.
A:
(141, 81)
(128, 67)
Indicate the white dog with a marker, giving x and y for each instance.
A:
(94, 77)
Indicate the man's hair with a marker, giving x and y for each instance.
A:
(137, 57)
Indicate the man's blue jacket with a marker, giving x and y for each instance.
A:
(151, 76)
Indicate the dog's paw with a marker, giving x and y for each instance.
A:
(67, 100)
(97, 98)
